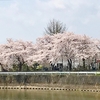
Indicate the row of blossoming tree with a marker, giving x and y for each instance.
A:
(69, 50)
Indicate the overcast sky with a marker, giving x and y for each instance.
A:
(26, 19)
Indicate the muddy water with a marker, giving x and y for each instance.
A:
(47, 95)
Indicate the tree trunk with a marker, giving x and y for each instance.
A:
(83, 64)
(70, 64)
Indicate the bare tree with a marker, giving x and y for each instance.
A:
(54, 27)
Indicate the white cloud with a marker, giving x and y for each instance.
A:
(59, 4)
(26, 19)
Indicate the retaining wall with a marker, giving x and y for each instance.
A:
(93, 80)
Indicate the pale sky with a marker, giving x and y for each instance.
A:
(26, 19)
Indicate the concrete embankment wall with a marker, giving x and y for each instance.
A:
(50, 80)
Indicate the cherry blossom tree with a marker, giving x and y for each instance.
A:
(66, 47)
(14, 53)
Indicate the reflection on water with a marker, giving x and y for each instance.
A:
(47, 95)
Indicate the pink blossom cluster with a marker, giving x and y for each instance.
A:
(49, 48)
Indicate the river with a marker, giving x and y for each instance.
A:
(47, 95)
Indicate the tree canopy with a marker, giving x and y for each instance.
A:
(54, 27)
(49, 48)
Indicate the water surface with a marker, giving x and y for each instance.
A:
(47, 95)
